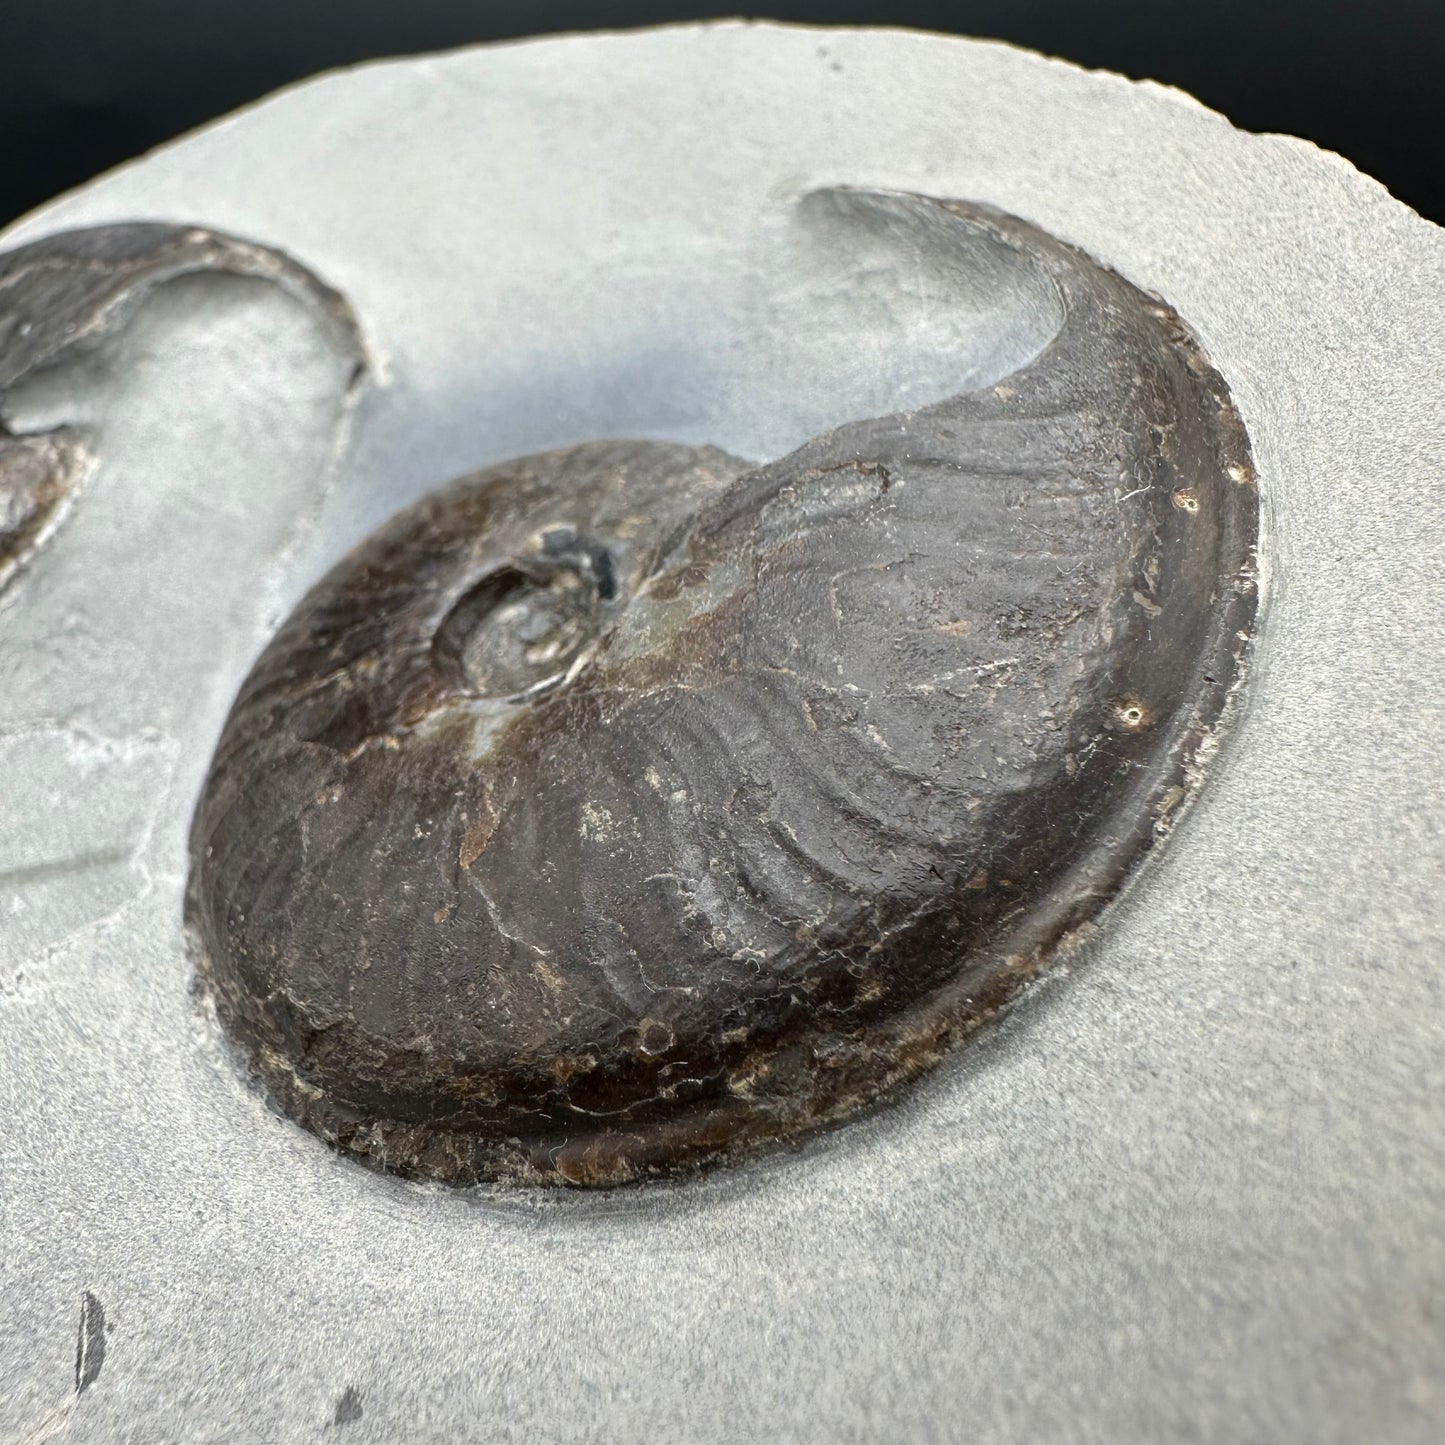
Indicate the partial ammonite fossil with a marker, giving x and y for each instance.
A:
(623, 808)
(62, 300)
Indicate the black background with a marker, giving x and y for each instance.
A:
(85, 84)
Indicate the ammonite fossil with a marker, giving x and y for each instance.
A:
(628, 807)
(61, 299)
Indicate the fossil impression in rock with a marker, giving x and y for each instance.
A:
(628, 807)
(63, 299)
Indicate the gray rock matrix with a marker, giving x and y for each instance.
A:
(1190, 1189)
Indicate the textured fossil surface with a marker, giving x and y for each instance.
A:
(625, 807)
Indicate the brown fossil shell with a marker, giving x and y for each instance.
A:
(627, 807)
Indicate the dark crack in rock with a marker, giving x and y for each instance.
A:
(89, 1343)
(626, 808)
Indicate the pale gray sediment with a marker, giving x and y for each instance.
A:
(1190, 1190)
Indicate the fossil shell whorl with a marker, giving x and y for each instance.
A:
(625, 807)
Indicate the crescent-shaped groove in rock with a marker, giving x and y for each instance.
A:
(65, 296)
(622, 809)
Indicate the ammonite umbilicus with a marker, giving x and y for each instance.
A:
(627, 807)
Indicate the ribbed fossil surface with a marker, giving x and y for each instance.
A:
(627, 807)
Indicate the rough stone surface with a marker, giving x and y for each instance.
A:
(1192, 1190)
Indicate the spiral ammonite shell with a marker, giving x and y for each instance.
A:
(628, 807)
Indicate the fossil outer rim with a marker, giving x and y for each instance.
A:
(773, 1096)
